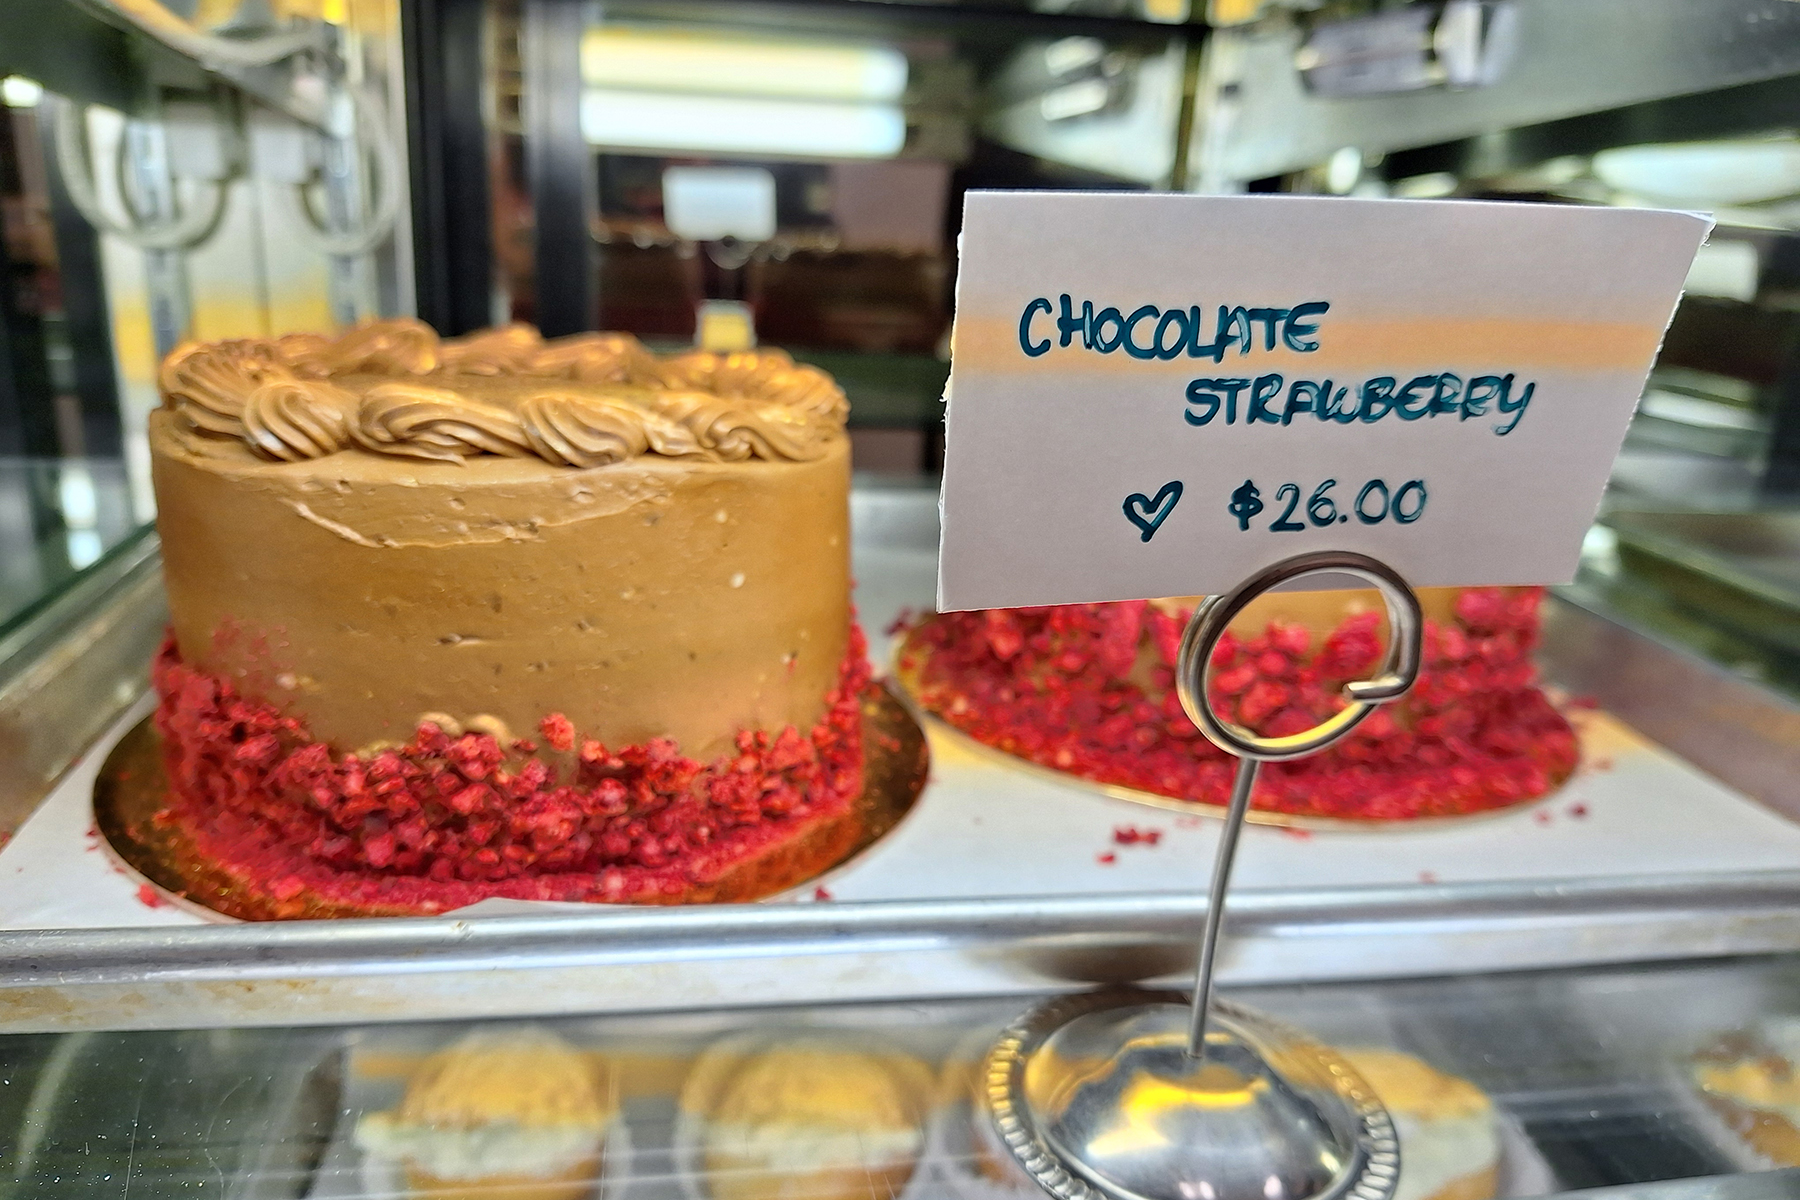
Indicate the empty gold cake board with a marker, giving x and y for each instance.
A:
(131, 788)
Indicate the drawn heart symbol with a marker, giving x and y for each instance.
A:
(1147, 514)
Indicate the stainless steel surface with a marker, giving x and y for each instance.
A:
(1741, 569)
(632, 960)
(1193, 678)
(281, 68)
(68, 670)
(1099, 1098)
(613, 936)
(1728, 726)
(1573, 57)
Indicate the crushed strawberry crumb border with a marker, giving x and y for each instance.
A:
(443, 821)
(1089, 690)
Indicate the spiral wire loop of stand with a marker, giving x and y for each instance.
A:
(1128, 1095)
(1193, 675)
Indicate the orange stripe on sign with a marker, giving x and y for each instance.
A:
(991, 345)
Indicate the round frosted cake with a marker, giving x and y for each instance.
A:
(1089, 690)
(501, 616)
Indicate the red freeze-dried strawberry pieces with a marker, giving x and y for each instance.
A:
(559, 731)
(465, 817)
(1089, 689)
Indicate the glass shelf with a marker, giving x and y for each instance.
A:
(1589, 1074)
(58, 518)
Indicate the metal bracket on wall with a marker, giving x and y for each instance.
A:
(1460, 44)
(288, 69)
(1293, 99)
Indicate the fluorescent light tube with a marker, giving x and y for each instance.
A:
(1075, 99)
(16, 91)
(644, 60)
(707, 204)
(740, 125)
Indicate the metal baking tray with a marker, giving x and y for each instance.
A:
(961, 942)
(1741, 570)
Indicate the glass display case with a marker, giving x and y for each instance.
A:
(167, 172)
(1568, 1079)
(1596, 990)
(1599, 970)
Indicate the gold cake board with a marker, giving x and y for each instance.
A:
(132, 788)
(906, 682)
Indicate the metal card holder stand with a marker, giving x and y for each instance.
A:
(1129, 1095)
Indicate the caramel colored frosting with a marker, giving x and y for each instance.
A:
(393, 388)
(382, 528)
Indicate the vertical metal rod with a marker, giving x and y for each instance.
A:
(348, 283)
(1201, 639)
(152, 192)
(1215, 902)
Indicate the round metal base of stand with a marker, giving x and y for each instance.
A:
(1097, 1098)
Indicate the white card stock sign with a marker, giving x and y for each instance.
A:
(1157, 395)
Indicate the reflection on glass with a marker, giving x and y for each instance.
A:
(1577, 1078)
(643, 60)
(740, 124)
(57, 517)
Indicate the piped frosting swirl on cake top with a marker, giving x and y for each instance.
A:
(394, 388)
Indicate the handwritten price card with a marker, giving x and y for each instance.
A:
(1156, 395)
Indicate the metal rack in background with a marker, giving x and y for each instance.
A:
(1260, 95)
(1512, 98)
(161, 179)
(131, 127)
